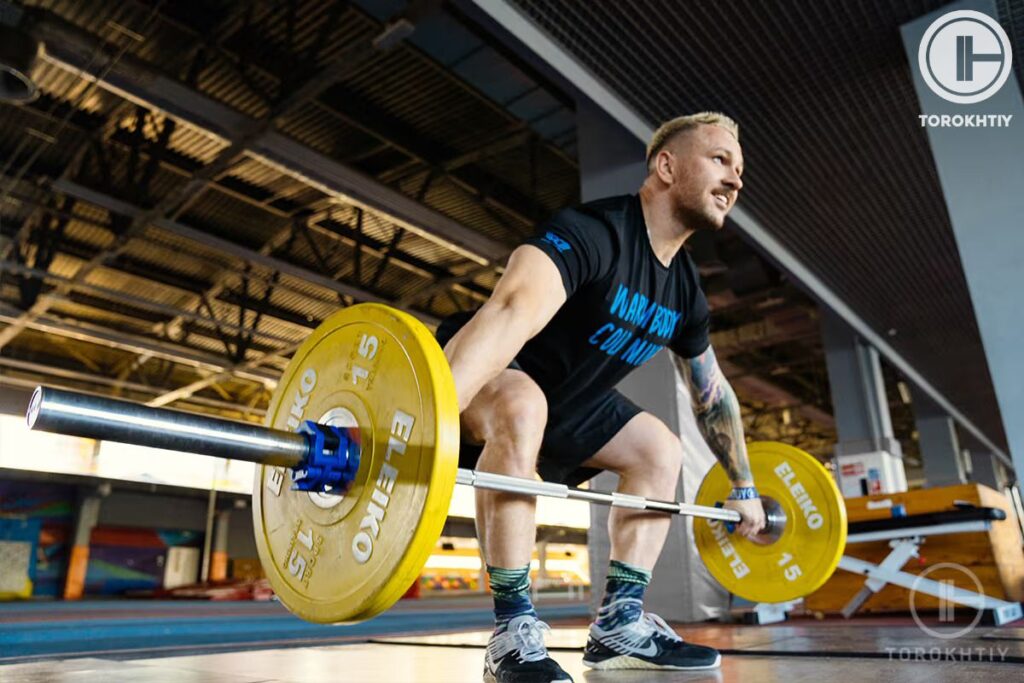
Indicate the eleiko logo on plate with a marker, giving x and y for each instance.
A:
(965, 56)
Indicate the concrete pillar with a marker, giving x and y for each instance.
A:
(858, 391)
(78, 560)
(941, 453)
(981, 174)
(869, 459)
(612, 162)
(219, 555)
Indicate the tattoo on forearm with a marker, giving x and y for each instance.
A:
(717, 411)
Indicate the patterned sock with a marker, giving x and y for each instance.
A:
(511, 591)
(623, 595)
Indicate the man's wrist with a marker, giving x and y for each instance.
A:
(743, 493)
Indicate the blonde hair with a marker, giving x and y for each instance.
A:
(673, 127)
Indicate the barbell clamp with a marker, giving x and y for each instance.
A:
(332, 460)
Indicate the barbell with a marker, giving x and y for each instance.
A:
(365, 418)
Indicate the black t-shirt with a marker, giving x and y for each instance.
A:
(623, 304)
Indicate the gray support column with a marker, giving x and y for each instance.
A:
(981, 174)
(858, 392)
(868, 457)
(612, 163)
(941, 454)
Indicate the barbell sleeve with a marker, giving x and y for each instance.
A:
(95, 417)
(109, 419)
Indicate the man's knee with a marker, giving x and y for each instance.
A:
(512, 408)
(522, 411)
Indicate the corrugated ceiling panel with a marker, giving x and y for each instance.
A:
(89, 234)
(169, 259)
(233, 220)
(223, 82)
(315, 126)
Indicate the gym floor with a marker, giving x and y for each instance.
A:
(250, 642)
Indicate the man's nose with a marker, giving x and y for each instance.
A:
(734, 181)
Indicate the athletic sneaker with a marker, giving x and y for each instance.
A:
(518, 655)
(648, 643)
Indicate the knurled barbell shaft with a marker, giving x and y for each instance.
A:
(109, 419)
(501, 482)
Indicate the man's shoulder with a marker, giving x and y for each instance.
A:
(609, 215)
(609, 210)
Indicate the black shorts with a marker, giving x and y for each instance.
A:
(571, 436)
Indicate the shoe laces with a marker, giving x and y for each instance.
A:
(656, 624)
(529, 636)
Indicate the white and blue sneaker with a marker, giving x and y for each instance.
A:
(518, 655)
(647, 643)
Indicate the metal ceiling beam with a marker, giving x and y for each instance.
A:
(330, 228)
(443, 283)
(124, 208)
(137, 302)
(125, 341)
(525, 32)
(44, 374)
(345, 234)
(189, 389)
(220, 283)
(514, 138)
(68, 47)
(349, 107)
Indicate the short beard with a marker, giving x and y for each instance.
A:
(698, 219)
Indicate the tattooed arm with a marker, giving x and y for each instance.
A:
(718, 417)
(718, 414)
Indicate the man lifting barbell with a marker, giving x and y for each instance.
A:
(596, 293)
(364, 422)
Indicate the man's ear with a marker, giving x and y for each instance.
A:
(663, 166)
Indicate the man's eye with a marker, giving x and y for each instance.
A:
(720, 159)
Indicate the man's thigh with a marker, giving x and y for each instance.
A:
(574, 437)
(645, 442)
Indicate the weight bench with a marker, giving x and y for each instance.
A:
(905, 536)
